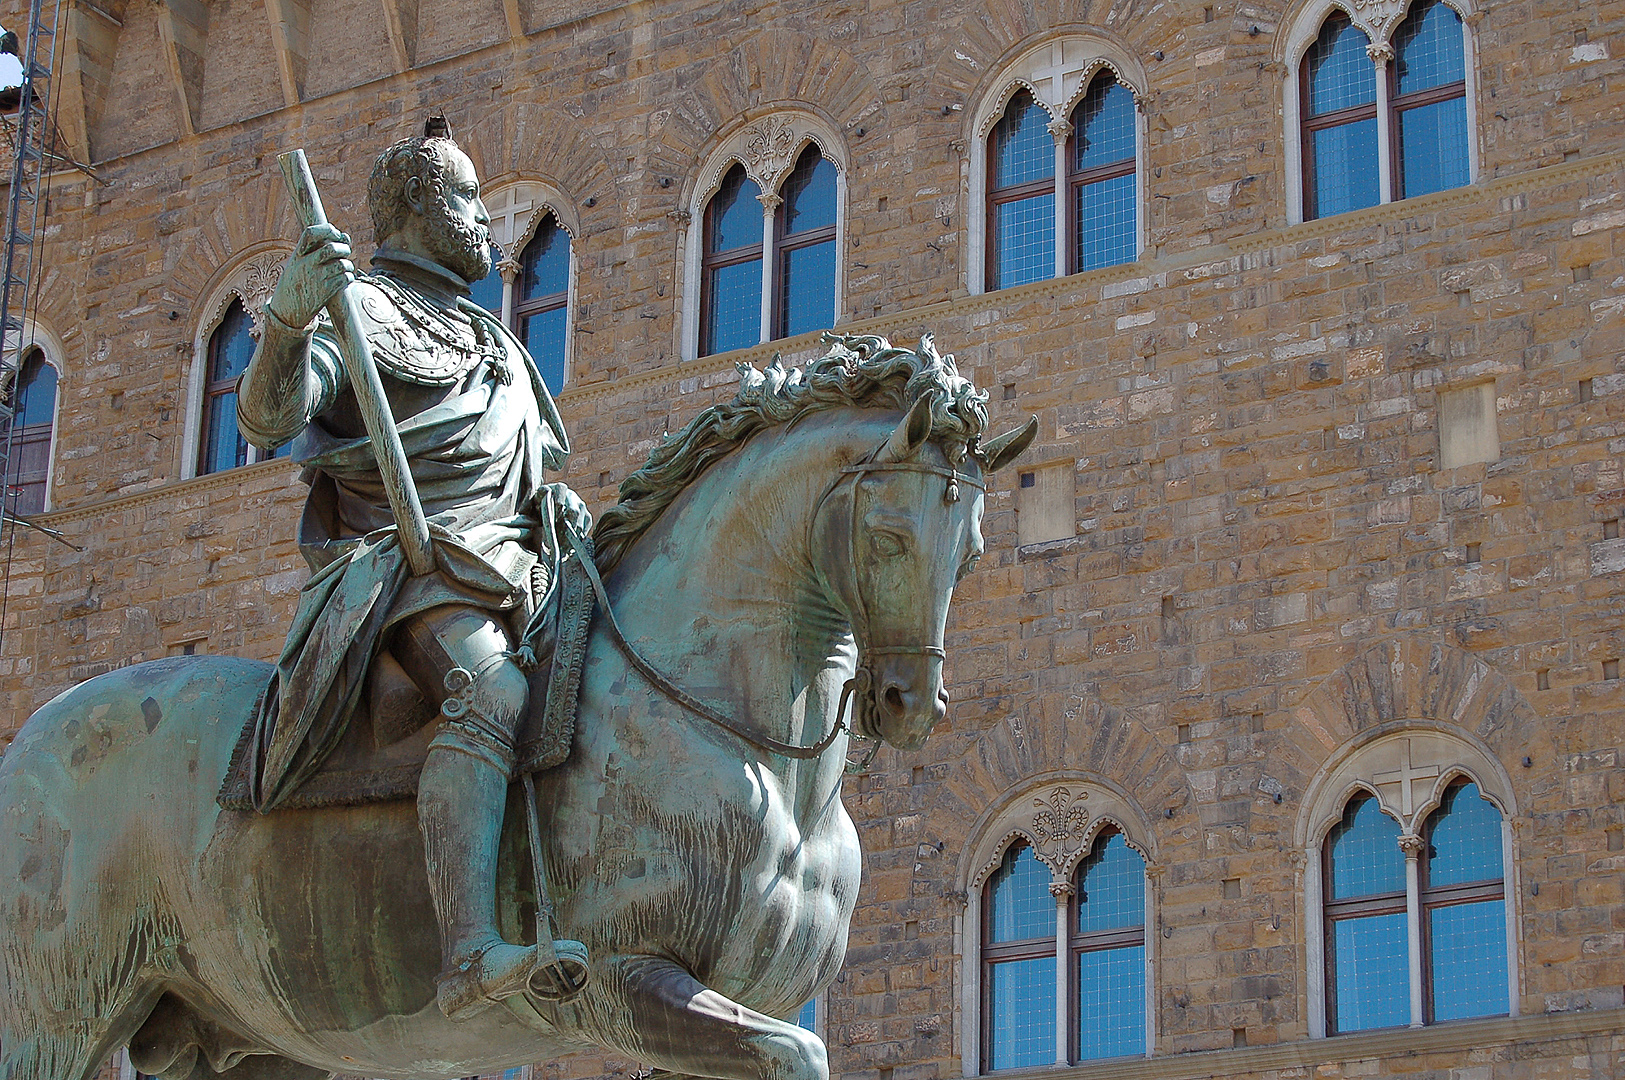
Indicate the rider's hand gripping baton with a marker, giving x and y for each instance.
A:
(410, 523)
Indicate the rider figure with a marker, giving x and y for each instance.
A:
(478, 427)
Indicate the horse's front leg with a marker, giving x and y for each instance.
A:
(676, 1023)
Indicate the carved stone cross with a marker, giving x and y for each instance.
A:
(1404, 775)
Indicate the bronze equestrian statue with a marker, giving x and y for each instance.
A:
(220, 863)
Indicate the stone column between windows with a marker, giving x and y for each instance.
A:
(1382, 54)
(509, 269)
(770, 202)
(1062, 891)
(1412, 847)
(1060, 129)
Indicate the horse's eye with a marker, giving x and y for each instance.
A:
(886, 544)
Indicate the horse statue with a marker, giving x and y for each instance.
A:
(785, 552)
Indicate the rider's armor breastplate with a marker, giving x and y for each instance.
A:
(419, 342)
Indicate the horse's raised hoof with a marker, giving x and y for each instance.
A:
(502, 970)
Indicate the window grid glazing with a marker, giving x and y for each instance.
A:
(541, 297)
(31, 447)
(731, 270)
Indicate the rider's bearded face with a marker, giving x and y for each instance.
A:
(455, 225)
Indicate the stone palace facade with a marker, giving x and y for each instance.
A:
(1287, 714)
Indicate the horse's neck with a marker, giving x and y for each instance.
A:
(721, 593)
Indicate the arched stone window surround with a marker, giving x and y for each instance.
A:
(767, 148)
(251, 277)
(36, 335)
(1378, 19)
(1060, 814)
(1036, 69)
(1385, 761)
(544, 198)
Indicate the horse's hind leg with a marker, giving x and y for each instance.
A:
(675, 1022)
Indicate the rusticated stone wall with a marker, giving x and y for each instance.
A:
(1269, 560)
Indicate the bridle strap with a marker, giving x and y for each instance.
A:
(953, 475)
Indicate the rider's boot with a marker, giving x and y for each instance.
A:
(461, 797)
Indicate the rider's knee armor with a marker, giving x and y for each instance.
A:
(459, 659)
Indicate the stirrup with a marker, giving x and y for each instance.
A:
(561, 970)
(483, 979)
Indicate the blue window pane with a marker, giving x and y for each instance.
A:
(1111, 887)
(545, 263)
(1104, 122)
(1020, 906)
(1469, 959)
(809, 194)
(736, 215)
(487, 292)
(1021, 1013)
(223, 447)
(1026, 237)
(1345, 175)
(1111, 1003)
(1022, 147)
(36, 401)
(734, 306)
(1464, 844)
(1371, 972)
(1104, 212)
(808, 1017)
(1429, 49)
(1341, 75)
(808, 288)
(1433, 147)
(1365, 855)
(543, 335)
(231, 345)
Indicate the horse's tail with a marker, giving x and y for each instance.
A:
(105, 794)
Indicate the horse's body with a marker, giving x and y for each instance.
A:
(712, 883)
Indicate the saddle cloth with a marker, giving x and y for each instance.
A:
(361, 771)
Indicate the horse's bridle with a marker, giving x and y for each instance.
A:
(862, 679)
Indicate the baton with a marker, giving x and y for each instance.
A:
(410, 524)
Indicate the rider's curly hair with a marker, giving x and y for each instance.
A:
(421, 157)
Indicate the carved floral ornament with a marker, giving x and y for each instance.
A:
(252, 281)
(768, 149)
(1061, 821)
(1379, 18)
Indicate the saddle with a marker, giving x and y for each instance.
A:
(376, 761)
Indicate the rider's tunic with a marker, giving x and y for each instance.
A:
(476, 458)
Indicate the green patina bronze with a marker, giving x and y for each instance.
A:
(787, 553)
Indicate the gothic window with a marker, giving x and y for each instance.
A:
(1102, 922)
(1101, 176)
(1382, 106)
(1451, 914)
(1428, 96)
(541, 293)
(32, 427)
(804, 236)
(231, 345)
(1339, 121)
(731, 292)
(1020, 195)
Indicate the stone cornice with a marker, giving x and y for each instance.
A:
(904, 320)
(230, 478)
(1314, 1054)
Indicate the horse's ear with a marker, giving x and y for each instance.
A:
(1009, 446)
(909, 435)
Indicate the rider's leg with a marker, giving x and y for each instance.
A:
(675, 1022)
(461, 796)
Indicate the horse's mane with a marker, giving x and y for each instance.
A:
(859, 370)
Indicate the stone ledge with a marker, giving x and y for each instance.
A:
(1459, 1036)
(166, 492)
(892, 324)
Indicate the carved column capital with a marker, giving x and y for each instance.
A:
(1060, 889)
(1381, 53)
(770, 200)
(1412, 846)
(1060, 129)
(682, 217)
(509, 269)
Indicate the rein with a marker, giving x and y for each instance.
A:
(862, 677)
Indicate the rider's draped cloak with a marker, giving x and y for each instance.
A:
(477, 459)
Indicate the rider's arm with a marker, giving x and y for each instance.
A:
(295, 372)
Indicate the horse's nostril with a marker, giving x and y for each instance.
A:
(894, 699)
